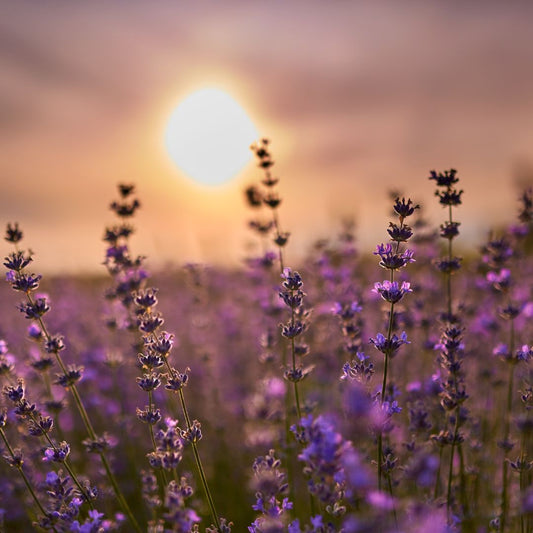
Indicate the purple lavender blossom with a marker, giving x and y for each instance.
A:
(270, 484)
(392, 259)
(322, 455)
(390, 346)
(392, 291)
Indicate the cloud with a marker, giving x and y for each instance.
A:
(359, 96)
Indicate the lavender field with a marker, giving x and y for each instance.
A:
(358, 391)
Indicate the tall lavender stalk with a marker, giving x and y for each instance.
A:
(70, 375)
(270, 196)
(451, 346)
(157, 348)
(498, 254)
(128, 276)
(140, 304)
(40, 425)
(392, 258)
(15, 459)
(292, 295)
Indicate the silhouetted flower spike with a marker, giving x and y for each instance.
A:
(13, 233)
(114, 233)
(449, 230)
(17, 260)
(272, 200)
(126, 189)
(444, 179)
(254, 196)
(269, 180)
(400, 233)
(404, 208)
(449, 266)
(263, 228)
(261, 151)
(125, 209)
(282, 238)
(449, 197)
(526, 211)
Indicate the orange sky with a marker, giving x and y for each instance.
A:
(357, 97)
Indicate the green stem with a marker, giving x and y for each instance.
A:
(24, 477)
(46, 379)
(505, 465)
(449, 274)
(152, 438)
(89, 427)
(523, 480)
(197, 459)
(380, 458)
(66, 463)
(506, 433)
(450, 469)
(393, 505)
(278, 232)
(462, 477)
(293, 353)
(118, 493)
(437, 476)
(199, 465)
(383, 390)
(54, 447)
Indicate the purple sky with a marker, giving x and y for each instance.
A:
(357, 97)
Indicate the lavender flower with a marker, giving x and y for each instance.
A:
(322, 454)
(392, 292)
(270, 484)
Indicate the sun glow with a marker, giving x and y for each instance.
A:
(208, 137)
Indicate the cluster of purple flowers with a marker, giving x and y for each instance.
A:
(403, 442)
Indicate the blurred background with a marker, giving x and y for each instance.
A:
(358, 98)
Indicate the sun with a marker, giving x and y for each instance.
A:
(208, 137)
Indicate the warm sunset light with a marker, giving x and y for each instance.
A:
(208, 136)
(266, 266)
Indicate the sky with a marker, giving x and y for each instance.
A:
(357, 97)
